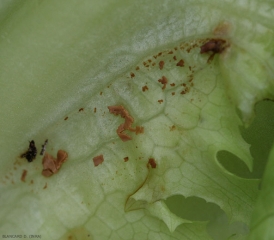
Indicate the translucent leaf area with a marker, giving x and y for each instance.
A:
(63, 63)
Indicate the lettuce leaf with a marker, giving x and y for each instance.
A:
(63, 63)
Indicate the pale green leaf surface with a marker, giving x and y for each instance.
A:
(60, 56)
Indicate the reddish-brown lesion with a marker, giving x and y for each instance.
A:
(127, 125)
(98, 160)
(161, 65)
(52, 165)
(181, 63)
(151, 163)
(163, 81)
(214, 46)
(23, 176)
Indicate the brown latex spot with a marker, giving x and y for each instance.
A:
(173, 93)
(160, 101)
(125, 159)
(161, 65)
(164, 81)
(66, 118)
(52, 165)
(137, 68)
(175, 58)
(132, 75)
(23, 176)
(181, 63)
(172, 128)
(98, 160)
(152, 163)
(172, 84)
(81, 109)
(120, 110)
(144, 88)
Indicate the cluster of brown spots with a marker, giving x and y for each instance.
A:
(160, 101)
(120, 110)
(132, 75)
(98, 160)
(151, 163)
(191, 47)
(164, 81)
(125, 159)
(144, 88)
(161, 65)
(81, 109)
(181, 63)
(23, 176)
(52, 165)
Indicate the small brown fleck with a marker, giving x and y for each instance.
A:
(153, 64)
(125, 159)
(170, 52)
(160, 53)
(23, 176)
(173, 93)
(172, 84)
(46, 185)
(31, 181)
(101, 93)
(181, 63)
(66, 118)
(175, 48)
(81, 109)
(172, 128)
(98, 160)
(144, 88)
(160, 101)
(161, 65)
(132, 75)
(149, 60)
(175, 58)
(137, 68)
(94, 110)
(184, 84)
(151, 163)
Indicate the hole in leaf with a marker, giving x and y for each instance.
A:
(197, 209)
(233, 164)
(260, 135)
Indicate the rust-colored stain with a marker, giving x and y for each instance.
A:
(98, 160)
